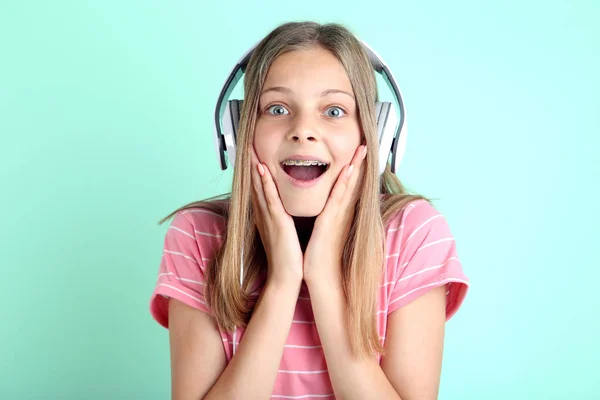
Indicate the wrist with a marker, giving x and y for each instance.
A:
(284, 285)
(326, 281)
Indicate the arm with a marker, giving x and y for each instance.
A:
(200, 373)
(410, 370)
(350, 378)
(197, 357)
(415, 344)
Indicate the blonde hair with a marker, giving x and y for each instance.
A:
(362, 270)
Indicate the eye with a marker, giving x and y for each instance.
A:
(335, 112)
(277, 110)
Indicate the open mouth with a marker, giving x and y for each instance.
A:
(304, 170)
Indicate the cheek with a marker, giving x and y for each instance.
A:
(343, 150)
(264, 144)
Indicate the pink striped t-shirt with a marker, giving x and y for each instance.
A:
(420, 254)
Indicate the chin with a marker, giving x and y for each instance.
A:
(304, 206)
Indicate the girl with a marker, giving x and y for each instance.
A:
(347, 279)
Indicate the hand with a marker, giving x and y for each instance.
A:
(275, 226)
(323, 255)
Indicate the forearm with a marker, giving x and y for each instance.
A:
(350, 377)
(251, 373)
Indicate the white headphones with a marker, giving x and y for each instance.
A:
(392, 135)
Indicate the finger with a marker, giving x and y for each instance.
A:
(258, 191)
(339, 189)
(347, 179)
(359, 156)
(356, 165)
(271, 193)
(257, 215)
(256, 203)
(269, 196)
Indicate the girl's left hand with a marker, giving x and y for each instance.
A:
(323, 255)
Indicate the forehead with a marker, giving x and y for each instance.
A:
(313, 67)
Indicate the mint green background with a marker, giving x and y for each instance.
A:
(105, 121)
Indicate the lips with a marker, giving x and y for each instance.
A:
(304, 175)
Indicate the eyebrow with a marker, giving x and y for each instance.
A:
(286, 90)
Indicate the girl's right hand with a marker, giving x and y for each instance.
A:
(276, 227)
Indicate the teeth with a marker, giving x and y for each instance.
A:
(303, 163)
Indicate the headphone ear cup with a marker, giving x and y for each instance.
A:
(387, 119)
(231, 123)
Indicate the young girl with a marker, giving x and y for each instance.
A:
(347, 280)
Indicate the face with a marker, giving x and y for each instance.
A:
(307, 128)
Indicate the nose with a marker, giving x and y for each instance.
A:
(304, 129)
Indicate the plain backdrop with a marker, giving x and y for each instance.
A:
(106, 127)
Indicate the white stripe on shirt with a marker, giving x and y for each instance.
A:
(449, 239)
(180, 254)
(182, 292)
(207, 234)
(182, 231)
(426, 269)
(202, 211)
(182, 279)
(424, 286)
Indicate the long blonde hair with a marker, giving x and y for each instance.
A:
(362, 270)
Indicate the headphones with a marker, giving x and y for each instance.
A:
(391, 134)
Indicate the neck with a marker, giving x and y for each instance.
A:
(304, 227)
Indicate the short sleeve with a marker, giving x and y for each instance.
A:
(427, 258)
(181, 271)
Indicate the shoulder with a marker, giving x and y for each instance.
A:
(203, 225)
(201, 221)
(416, 216)
(413, 212)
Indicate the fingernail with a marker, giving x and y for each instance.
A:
(261, 170)
(349, 171)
